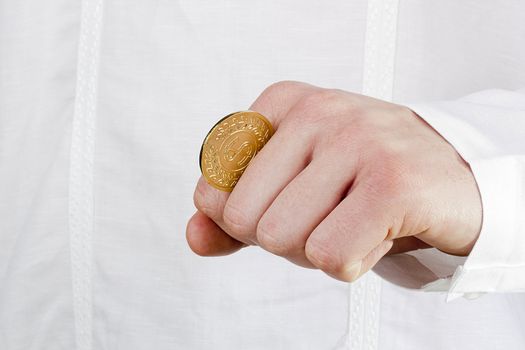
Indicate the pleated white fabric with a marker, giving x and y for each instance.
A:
(378, 81)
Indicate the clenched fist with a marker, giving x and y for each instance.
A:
(344, 180)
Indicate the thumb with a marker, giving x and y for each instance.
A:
(205, 238)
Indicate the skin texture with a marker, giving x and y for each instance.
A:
(345, 180)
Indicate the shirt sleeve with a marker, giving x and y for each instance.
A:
(488, 130)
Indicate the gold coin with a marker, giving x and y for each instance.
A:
(230, 145)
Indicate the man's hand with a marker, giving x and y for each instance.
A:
(344, 180)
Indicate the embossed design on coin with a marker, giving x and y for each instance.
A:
(230, 145)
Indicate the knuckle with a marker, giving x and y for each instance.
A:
(360, 120)
(322, 257)
(278, 88)
(314, 111)
(236, 221)
(277, 92)
(269, 238)
(328, 109)
(320, 100)
(391, 173)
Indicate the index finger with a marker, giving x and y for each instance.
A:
(274, 103)
(279, 98)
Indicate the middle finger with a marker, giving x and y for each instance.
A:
(282, 158)
(302, 205)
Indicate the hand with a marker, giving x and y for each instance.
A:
(344, 180)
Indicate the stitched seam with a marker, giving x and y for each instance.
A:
(380, 48)
(81, 203)
(378, 81)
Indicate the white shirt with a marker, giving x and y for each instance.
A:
(104, 105)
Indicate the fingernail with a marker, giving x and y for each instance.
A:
(352, 271)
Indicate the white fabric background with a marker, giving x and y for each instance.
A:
(168, 70)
